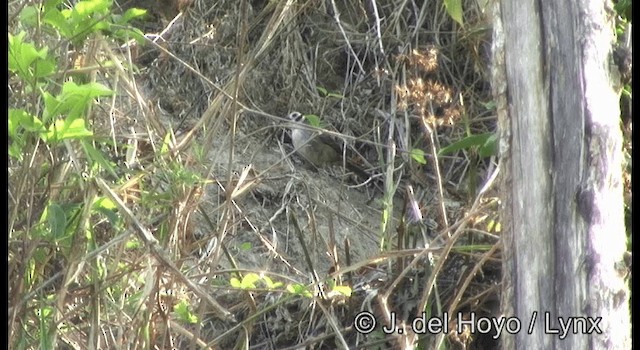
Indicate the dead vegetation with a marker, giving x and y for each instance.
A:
(219, 224)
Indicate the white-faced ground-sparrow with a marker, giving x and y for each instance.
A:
(318, 149)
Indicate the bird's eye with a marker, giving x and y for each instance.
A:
(295, 116)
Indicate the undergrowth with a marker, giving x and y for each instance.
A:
(151, 184)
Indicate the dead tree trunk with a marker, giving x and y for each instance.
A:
(564, 235)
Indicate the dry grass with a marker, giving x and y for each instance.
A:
(213, 203)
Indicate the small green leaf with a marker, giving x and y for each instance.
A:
(313, 120)
(166, 144)
(270, 284)
(29, 16)
(491, 105)
(466, 143)
(51, 108)
(326, 93)
(97, 158)
(57, 220)
(19, 118)
(494, 226)
(126, 34)
(249, 281)
(299, 289)
(183, 311)
(246, 246)
(130, 14)
(344, 290)
(418, 155)
(89, 7)
(323, 92)
(235, 283)
(106, 207)
(91, 90)
(454, 9)
(49, 5)
(59, 21)
(489, 147)
(76, 129)
(63, 129)
(104, 203)
(15, 150)
(132, 244)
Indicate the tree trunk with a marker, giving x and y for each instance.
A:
(563, 219)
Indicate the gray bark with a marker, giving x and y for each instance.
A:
(564, 236)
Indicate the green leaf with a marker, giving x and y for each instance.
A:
(29, 16)
(19, 122)
(15, 150)
(51, 107)
(270, 284)
(494, 226)
(72, 103)
(313, 120)
(49, 5)
(73, 100)
(418, 155)
(64, 129)
(90, 90)
(166, 144)
(27, 61)
(57, 220)
(299, 289)
(20, 118)
(76, 98)
(326, 93)
(322, 91)
(130, 14)
(235, 283)
(106, 207)
(89, 7)
(454, 9)
(466, 143)
(183, 311)
(133, 244)
(249, 281)
(104, 203)
(344, 290)
(97, 158)
(489, 147)
(59, 21)
(76, 24)
(128, 34)
(43, 68)
(491, 105)
(76, 129)
(22, 54)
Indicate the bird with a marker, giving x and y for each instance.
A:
(319, 150)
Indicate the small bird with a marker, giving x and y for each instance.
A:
(318, 149)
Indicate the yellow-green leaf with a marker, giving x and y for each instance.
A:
(454, 9)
